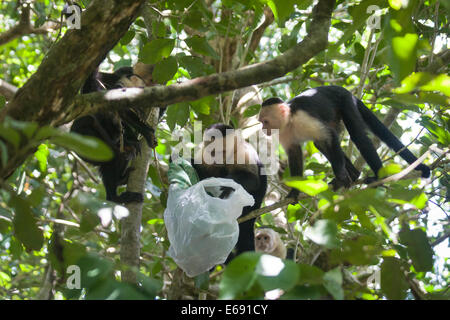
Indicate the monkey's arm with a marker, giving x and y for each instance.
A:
(295, 160)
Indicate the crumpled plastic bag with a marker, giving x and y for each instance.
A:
(202, 228)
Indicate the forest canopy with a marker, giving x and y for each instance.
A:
(217, 61)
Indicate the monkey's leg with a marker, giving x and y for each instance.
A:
(112, 176)
(356, 128)
(352, 171)
(332, 151)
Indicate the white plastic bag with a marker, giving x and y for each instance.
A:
(203, 229)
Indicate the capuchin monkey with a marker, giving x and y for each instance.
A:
(269, 241)
(246, 172)
(119, 130)
(316, 115)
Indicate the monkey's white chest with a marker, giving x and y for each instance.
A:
(302, 127)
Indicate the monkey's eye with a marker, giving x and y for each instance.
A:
(266, 238)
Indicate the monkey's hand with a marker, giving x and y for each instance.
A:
(128, 196)
(293, 194)
(343, 180)
(370, 180)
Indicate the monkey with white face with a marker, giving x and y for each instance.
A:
(269, 241)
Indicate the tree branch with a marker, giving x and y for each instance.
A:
(24, 27)
(130, 239)
(7, 90)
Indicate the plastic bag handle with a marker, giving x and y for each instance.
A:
(239, 190)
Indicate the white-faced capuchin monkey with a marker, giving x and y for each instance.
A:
(248, 173)
(316, 115)
(119, 130)
(269, 241)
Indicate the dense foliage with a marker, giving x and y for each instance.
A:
(387, 242)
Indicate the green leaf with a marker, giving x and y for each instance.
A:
(274, 273)
(252, 111)
(3, 153)
(311, 187)
(295, 212)
(126, 39)
(310, 275)
(159, 29)
(89, 221)
(239, 275)
(10, 135)
(332, 281)
(177, 114)
(426, 82)
(41, 155)
(193, 19)
(393, 283)
(195, 66)
(182, 173)
(323, 232)
(165, 70)
(395, 4)
(87, 147)
(154, 51)
(389, 170)
(203, 105)
(200, 45)
(150, 286)
(419, 249)
(25, 224)
(36, 196)
(94, 268)
(402, 55)
(363, 250)
(282, 9)
(27, 128)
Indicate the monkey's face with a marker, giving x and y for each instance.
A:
(274, 116)
(263, 242)
(132, 81)
(144, 71)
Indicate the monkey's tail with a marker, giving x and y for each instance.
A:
(382, 132)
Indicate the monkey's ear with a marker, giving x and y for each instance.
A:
(284, 109)
(145, 72)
